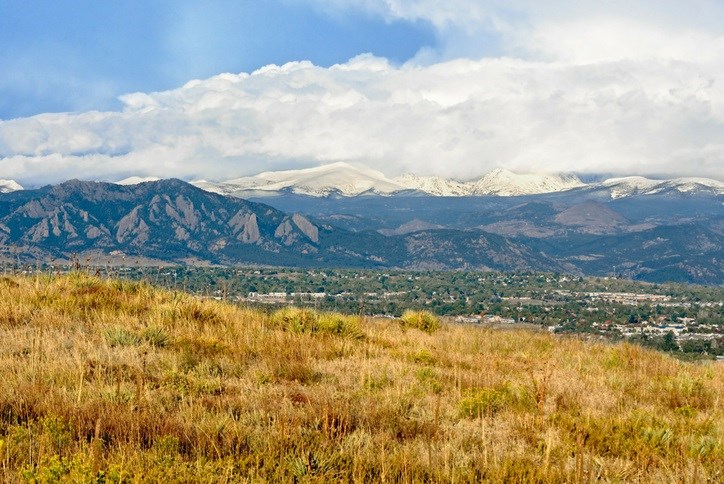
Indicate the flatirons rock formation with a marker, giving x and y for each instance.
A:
(170, 220)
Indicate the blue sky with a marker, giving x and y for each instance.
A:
(75, 55)
(221, 89)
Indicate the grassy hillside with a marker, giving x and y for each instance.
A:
(118, 382)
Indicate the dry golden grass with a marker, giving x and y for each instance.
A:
(110, 381)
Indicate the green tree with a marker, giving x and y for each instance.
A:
(669, 342)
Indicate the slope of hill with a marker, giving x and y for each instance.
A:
(592, 217)
(114, 381)
(681, 253)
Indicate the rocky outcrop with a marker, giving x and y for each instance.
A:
(245, 227)
(307, 228)
(286, 233)
(132, 227)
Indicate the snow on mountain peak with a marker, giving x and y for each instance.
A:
(348, 179)
(351, 180)
(7, 186)
(506, 183)
(638, 185)
(343, 178)
(628, 185)
(690, 184)
(434, 185)
(135, 180)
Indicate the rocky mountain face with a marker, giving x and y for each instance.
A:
(167, 220)
(170, 220)
(658, 237)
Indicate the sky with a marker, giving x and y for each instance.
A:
(220, 89)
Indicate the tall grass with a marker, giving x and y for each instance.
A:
(119, 382)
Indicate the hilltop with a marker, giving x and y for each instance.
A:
(118, 381)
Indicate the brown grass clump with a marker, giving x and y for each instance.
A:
(109, 381)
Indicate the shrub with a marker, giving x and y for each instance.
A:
(340, 325)
(422, 320)
(117, 336)
(301, 320)
(155, 336)
(295, 320)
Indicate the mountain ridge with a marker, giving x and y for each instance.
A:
(352, 180)
(172, 221)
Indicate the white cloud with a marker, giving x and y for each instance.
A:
(577, 86)
(582, 31)
(457, 118)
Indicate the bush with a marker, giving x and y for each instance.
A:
(295, 320)
(300, 320)
(422, 320)
(117, 336)
(340, 325)
(155, 336)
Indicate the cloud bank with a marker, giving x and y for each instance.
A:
(572, 89)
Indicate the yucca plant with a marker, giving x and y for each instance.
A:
(422, 320)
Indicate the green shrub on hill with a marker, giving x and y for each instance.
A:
(422, 320)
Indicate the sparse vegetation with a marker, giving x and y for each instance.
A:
(112, 381)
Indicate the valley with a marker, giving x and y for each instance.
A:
(595, 308)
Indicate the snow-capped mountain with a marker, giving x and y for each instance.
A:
(7, 186)
(220, 188)
(434, 185)
(689, 185)
(628, 186)
(336, 178)
(506, 183)
(352, 180)
(638, 185)
(135, 180)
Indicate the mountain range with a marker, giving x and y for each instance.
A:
(173, 221)
(655, 230)
(344, 179)
(350, 180)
